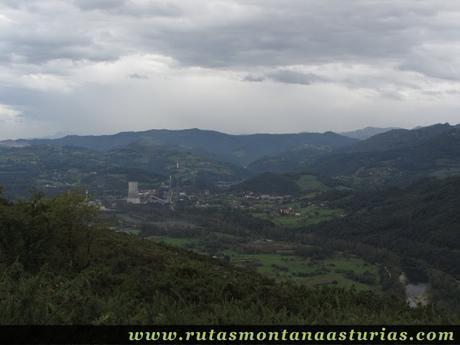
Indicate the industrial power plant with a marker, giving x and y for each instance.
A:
(133, 193)
(163, 195)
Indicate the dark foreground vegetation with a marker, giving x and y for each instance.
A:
(59, 264)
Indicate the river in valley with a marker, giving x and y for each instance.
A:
(416, 294)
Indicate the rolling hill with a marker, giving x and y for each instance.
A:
(283, 184)
(54, 168)
(366, 133)
(290, 161)
(396, 156)
(238, 149)
(268, 183)
(400, 138)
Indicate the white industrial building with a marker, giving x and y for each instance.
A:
(133, 193)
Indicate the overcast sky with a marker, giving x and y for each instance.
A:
(103, 66)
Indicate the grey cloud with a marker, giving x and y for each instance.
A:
(37, 51)
(82, 4)
(294, 77)
(256, 33)
(436, 68)
(44, 39)
(138, 76)
(98, 4)
(44, 31)
(305, 32)
(151, 9)
(130, 8)
(287, 77)
(253, 78)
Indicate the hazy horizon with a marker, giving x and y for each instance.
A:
(62, 135)
(229, 65)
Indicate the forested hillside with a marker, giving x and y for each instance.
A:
(420, 224)
(400, 138)
(60, 265)
(54, 168)
(392, 157)
(268, 183)
(396, 157)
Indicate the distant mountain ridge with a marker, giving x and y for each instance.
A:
(241, 149)
(400, 138)
(398, 155)
(367, 132)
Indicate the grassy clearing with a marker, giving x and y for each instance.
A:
(337, 271)
(311, 183)
(307, 272)
(174, 241)
(305, 216)
(131, 231)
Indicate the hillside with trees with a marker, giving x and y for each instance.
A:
(268, 183)
(398, 156)
(419, 224)
(53, 168)
(60, 265)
